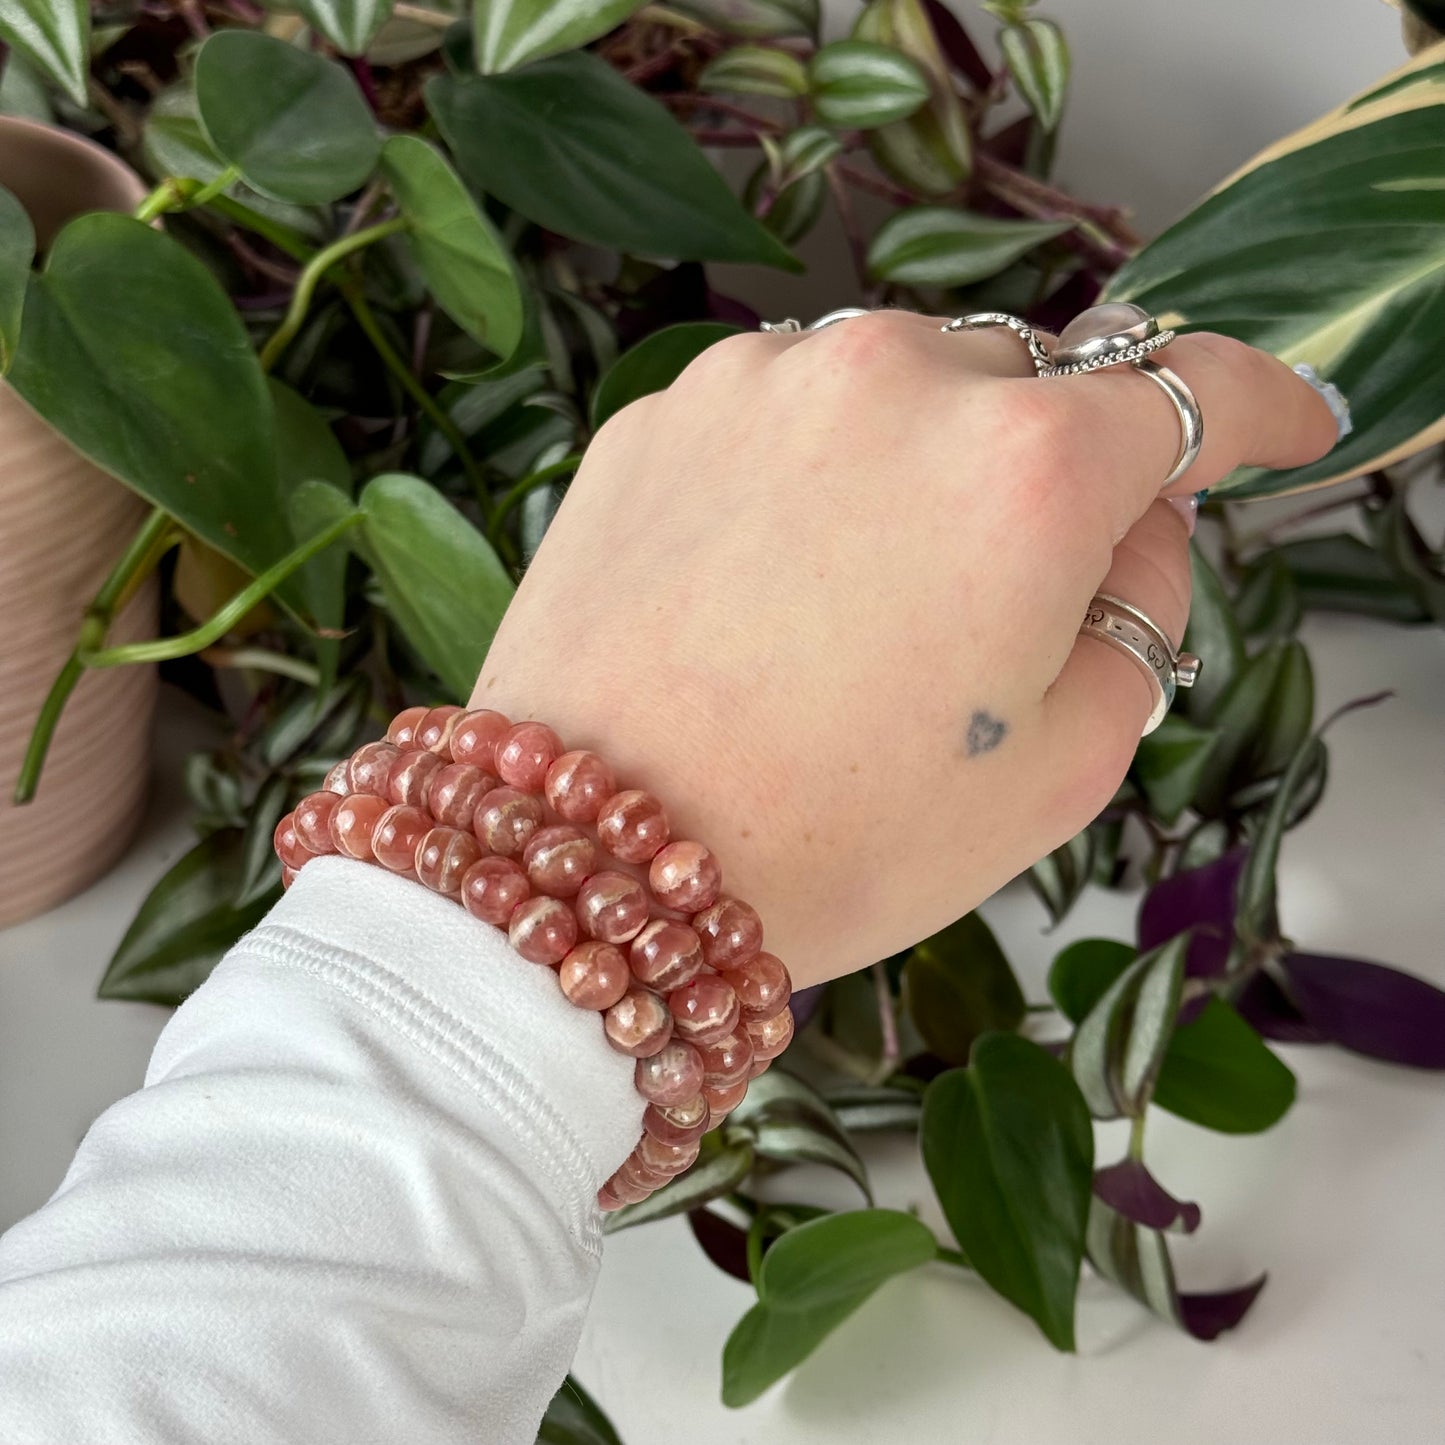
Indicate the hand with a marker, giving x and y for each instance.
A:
(822, 596)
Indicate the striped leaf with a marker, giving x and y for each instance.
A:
(756, 70)
(791, 1122)
(54, 35)
(1037, 56)
(348, 24)
(1328, 248)
(718, 1171)
(509, 33)
(862, 85)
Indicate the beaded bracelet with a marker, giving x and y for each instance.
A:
(494, 815)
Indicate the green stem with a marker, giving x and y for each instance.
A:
(262, 659)
(1136, 1138)
(216, 627)
(427, 403)
(283, 238)
(310, 278)
(173, 194)
(514, 495)
(953, 1256)
(223, 182)
(137, 562)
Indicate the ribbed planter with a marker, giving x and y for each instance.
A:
(63, 525)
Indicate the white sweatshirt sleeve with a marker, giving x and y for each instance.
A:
(353, 1202)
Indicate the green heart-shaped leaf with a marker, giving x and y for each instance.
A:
(571, 145)
(959, 985)
(860, 85)
(509, 33)
(940, 246)
(654, 364)
(1010, 1150)
(54, 35)
(137, 357)
(1084, 972)
(810, 1281)
(292, 122)
(463, 260)
(17, 251)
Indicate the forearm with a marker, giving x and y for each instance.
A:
(354, 1201)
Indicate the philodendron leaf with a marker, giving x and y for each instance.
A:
(1084, 972)
(186, 923)
(654, 364)
(1137, 1260)
(1262, 259)
(942, 246)
(442, 581)
(755, 70)
(509, 33)
(1219, 1073)
(717, 1172)
(1037, 56)
(575, 1418)
(789, 1121)
(291, 121)
(136, 356)
(571, 145)
(1010, 1150)
(54, 35)
(811, 1280)
(1119, 1046)
(17, 251)
(348, 24)
(959, 986)
(754, 19)
(859, 85)
(1130, 1189)
(462, 258)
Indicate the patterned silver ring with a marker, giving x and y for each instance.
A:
(1126, 629)
(981, 320)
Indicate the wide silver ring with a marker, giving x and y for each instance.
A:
(1126, 629)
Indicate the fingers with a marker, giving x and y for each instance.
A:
(1101, 698)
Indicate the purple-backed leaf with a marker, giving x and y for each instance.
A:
(1264, 1005)
(804, 1004)
(1369, 1008)
(957, 45)
(722, 1241)
(1191, 1008)
(1130, 1189)
(1207, 1316)
(731, 310)
(1202, 899)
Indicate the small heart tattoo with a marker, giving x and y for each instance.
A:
(985, 733)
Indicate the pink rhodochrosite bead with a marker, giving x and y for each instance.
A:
(370, 766)
(726, 1061)
(335, 781)
(665, 955)
(632, 826)
(492, 888)
(762, 986)
(731, 932)
(409, 780)
(396, 835)
(558, 859)
(638, 1024)
(443, 856)
(673, 1075)
(505, 819)
(525, 753)
(434, 731)
(594, 975)
(543, 930)
(624, 1191)
(704, 1010)
(313, 821)
(289, 848)
(352, 822)
(771, 1036)
(455, 791)
(475, 736)
(402, 732)
(288, 876)
(578, 784)
(721, 1101)
(679, 1123)
(685, 876)
(669, 1159)
(612, 906)
(759, 1067)
(634, 1171)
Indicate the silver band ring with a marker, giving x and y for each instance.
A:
(1126, 629)
(1186, 408)
(792, 326)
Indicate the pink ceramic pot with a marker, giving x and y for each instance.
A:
(63, 525)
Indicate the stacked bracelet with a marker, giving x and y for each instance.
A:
(584, 878)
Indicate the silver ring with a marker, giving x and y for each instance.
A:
(1186, 408)
(981, 320)
(1126, 629)
(792, 325)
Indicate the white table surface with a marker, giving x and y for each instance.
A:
(1343, 1202)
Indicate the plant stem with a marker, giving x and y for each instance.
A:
(223, 182)
(310, 278)
(848, 219)
(1136, 1138)
(722, 107)
(1039, 199)
(216, 627)
(282, 237)
(428, 404)
(263, 660)
(510, 498)
(173, 194)
(139, 560)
